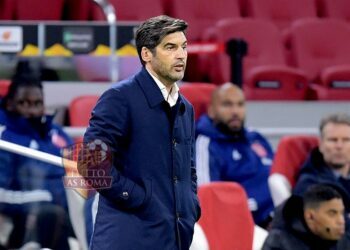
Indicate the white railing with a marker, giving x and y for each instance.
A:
(111, 17)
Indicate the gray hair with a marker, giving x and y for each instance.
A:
(337, 118)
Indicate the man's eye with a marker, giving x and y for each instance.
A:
(38, 103)
(22, 102)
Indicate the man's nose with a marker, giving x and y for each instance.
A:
(234, 110)
(33, 111)
(181, 53)
(339, 144)
(341, 220)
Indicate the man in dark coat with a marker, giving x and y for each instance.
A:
(149, 128)
(313, 222)
(330, 162)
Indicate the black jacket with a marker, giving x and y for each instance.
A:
(316, 171)
(289, 231)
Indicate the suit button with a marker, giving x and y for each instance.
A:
(178, 216)
(174, 142)
(125, 195)
(175, 179)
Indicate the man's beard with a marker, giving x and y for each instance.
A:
(38, 123)
(224, 128)
(337, 166)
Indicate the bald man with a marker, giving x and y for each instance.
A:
(227, 151)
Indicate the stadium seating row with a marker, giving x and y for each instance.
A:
(319, 56)
(280, 12)
(292, 55)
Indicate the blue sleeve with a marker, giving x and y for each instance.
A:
(209, 166)
(11, 197)
(267, 146)
(6, 177)
(66, 137)
(109, 123)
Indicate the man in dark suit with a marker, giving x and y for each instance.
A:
(149, 128)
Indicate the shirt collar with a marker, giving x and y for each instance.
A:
(338, 175)
(170, 98)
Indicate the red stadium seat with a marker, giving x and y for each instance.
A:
(132, 10)
(7, 9)
(266, 75)
(290, 155)
(226, 219)
(201, 15)
(281, 12)
(78, 9)
(319, 92)
(80, 110)
(39, 10)
(318, 44)
(4, 86)
(199, 94)
(339, 9)
(321, 49)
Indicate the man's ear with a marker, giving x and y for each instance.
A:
(310, 219)
(146, 54)
(211, 112)
(309, 215)
(321, 146)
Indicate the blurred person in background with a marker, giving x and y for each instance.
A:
(227, 151)
(330, 162)
(32, 195)
(314, 221)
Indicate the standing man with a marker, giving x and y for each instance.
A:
(149, 128)
(227, 151)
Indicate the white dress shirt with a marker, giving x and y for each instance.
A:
(171, 97)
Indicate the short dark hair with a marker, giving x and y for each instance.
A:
(337, 118)
(153, 30)
(318, 193)
(21, 81)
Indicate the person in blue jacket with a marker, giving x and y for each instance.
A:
(32, 194)
(148, 127)
(227, 151)
(330, 162)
